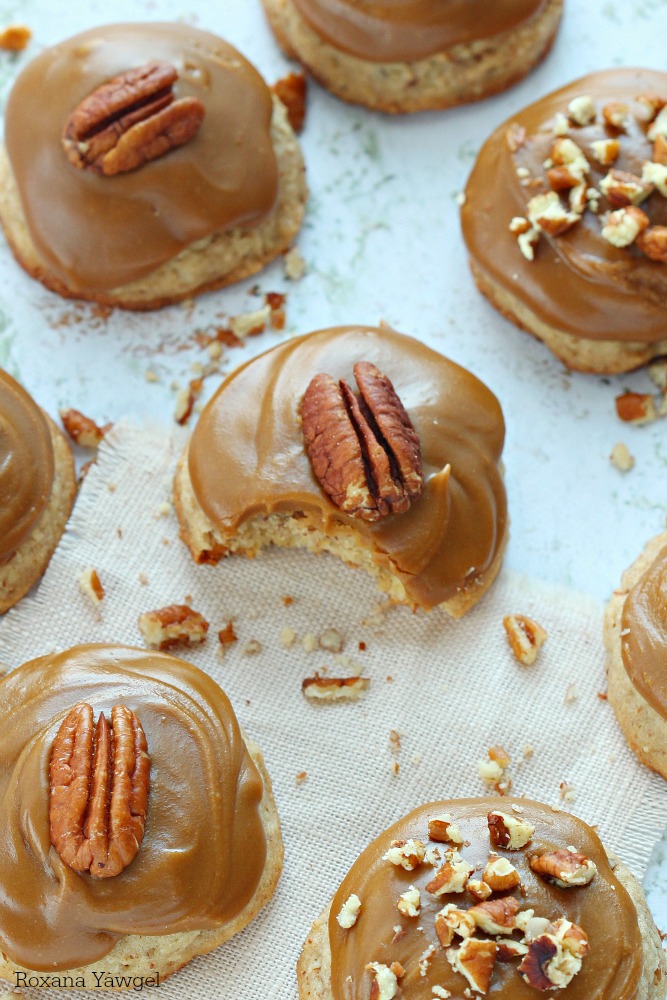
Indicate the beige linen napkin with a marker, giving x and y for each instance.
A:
(449, 689)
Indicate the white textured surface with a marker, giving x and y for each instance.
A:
(455, 690)
(382, 240)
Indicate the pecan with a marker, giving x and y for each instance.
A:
(541, 952)
(364, 452)
(474, 959)
(334, 688)
(525, 637)
(653, 243)
(15, 37)
(564, 868)
(291, 91)
(81, 429)
(129, 120)
(507, 831)
(177, 624)
(99, 779)
(496, 916)
(500, 875)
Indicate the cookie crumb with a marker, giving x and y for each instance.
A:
(621, 458)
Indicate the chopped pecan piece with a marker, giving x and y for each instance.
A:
(15, 37)
(291, 90)
(349, 912)
(130, 120)
(364, 452)
(554, 958)
(564, 868)
(450, 920)
(81, 429)
(624, 226)
(99, 781)
(495, 916)
(500, 875)
(171, 626)
(334, 688)
(474, 959)
(636, 407)
(507, 831)
(623, 188)
(407, 854)
(444, 830)
(653, 243)
(615, 115)
(452, 877)
(384, 984)
(525, 637)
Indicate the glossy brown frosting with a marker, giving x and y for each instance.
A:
(247, 455)
(204, 848)
(405, 30)
(578, 283)
(98, 233)
(603, 909)
(26, 465)
(644, 635)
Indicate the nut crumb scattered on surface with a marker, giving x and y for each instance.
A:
(571, 694)
(15, 37)
(164, 510)
(621, 458)
(251, 323)
(331, 640)
(525, 637)
(567, 792)
(151, 376)
(227, 635)
(174, 625)
(294, 264)
(287, 637)
(309, 642)
(492, 771)
(251, 647)
(81, 429)
(287, 600)
(334, 688)
(90, 585)
(143, 579)
(301, 777)
(291, 90)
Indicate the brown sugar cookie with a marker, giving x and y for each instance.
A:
(189, 851)
(565, 220)
(415, 55)
(468, 897)
(401, 479)
(203, 187)
(37, 490)
(635, 634)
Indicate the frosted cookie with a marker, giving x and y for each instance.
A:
(565, 220)
(402, 479)
(636, 639)
(459, 899)
(154, 165)
(37, 490)
(415, 55)
(180, 851)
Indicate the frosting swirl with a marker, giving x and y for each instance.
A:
(247, 456)
(611, 971)
(26, 465)
(99, 233)
(644, 634)
(203, 810)
(406, 30)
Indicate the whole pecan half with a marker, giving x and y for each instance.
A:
(130, 120)
(99, 779)
(364, 451)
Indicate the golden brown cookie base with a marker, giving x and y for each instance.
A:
(463, 74)
(214, 262)
(208, 545)
(32, 557)
(145, 956)
(644, 729)
(314, 964)
(604, 357)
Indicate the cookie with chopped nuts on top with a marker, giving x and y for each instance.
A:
(415, 55)
(506, 897)
(155, 165)
(565, 220)
(635, 634)
(361, 442)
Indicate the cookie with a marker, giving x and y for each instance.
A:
(259, 470)
(635, 634)
(141, 889)
(565, 220)
(473, 896)
(203, 190)
(37, 490)
(415, 55)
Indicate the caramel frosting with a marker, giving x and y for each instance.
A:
(644, 635)
(203, 808)
(26, 465)
(247, 456)
(406, 30)
(603, 909)
(578, 282)
(98, 233)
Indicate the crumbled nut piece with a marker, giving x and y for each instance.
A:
(571, 694)
(227, 635)
(441, 992)
(301, 777)
(250, 323)
(495, 916)
(623, 188)
(276, 303)
(151, 376)
(474, 959)
(408, 854)
(186, 399)
(624, 226)
(334, 688)
(528, 240)
(309, 642)
(452, 877)
(660, 150)
(522, 172)
(349, 912)
(561, 125)
(578, 198)
(479, 890)
(508, 948)
(615, 115)
(606, 151)
(500, 874)
(500, 755)
(176, 624)
(554, 958)
(409, 902)
(394, 741)
(295, 265)
(331, 640)
(90, 585)
(291, 90)
(567, 792)
(425, 960)
(519, 225)
(450, 920)
(656, 174)
(573, 938)
(653, 243)
(81, 429)
(636, 407)
(397, 969)
(444, 830)
(15, 37)
(515, 136)
(287, 637)
(659, 126)
(433, 856)
(546, 211)
(251, 647)
(564, 868)
(651, 104)
(525, 637)
(507, 831)
(565, 152)
(385, 983)
(582, 110)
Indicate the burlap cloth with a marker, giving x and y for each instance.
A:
(450, 689)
